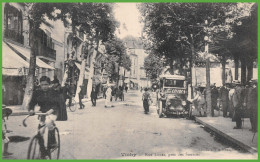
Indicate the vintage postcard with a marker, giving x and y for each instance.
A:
(85, 80)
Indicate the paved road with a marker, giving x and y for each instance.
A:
(125, 132)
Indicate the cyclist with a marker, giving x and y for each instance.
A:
(48, 101)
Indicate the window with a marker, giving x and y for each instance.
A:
(13, 24)
(46, 40)
(173, 83)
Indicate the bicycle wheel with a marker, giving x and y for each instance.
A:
(54, 148)
(34, 150)
(73, 106)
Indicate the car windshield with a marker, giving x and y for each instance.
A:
(174, 83)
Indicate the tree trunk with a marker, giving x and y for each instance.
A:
(91, 68)
(124, 79)
(208, 90)
(243, 70)
(118, 73)
(30, 78)
(191, 64)
(249, 69)
(171, 67)
(236, 66)
(223, 62)
(81, 77)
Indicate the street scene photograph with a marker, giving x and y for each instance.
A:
(129, 80)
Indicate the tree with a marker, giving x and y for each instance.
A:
(36, 16)
(153, 66)
(174, 29)
(117, 58)
(95, 19)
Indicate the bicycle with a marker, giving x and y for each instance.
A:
(72, 106)
(37, 147)
(6, 112)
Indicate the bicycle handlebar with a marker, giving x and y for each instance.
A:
(37, 113)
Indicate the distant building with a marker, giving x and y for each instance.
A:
(136, 78)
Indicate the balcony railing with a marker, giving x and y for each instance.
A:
(46, 52)
(14, 36)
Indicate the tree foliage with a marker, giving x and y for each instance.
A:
(116, 52)
(153, 65)
(96, 20)
(171, 28)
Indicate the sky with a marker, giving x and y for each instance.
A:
(128, 16)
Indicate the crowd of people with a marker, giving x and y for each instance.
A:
(113, 92)
(237, 101)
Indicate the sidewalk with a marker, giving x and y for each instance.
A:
(18, 112)
(224, 127)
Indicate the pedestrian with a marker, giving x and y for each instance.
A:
(36, 84)
(108, 95)
(104, 92)
(48, 101)
(66, 93)
(199, 99)
(4, 93)
(146, 98)
(163, 98)
(93, 96)
(126, 88)
(112, 93)
(61, 111)
(251, 104)
(122, 96)
(230, 98)
(214, 99)
(237, 103)
(223, 95)
(81, 96)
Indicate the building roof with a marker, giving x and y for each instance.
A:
(133, 42)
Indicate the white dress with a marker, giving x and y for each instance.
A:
(108, 96)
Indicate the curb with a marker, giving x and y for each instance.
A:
(229, 138)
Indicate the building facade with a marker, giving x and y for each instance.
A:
(16, 51)
(136, 78)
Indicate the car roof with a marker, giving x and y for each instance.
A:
(177, 77)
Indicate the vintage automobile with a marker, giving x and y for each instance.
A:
(176, 92)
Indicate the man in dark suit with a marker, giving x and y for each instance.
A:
(214, 99)
(81, 96)
(93, 96)
(223, 95)
(237, 103)
(251, 104)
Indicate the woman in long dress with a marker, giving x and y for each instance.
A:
(108, 96)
